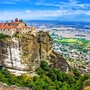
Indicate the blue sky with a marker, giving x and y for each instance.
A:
(63, 10)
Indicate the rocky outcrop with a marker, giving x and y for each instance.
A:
(26, 52)
(4, 86)
(86, 88)
(57, 61)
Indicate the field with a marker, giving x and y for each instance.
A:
(67, 40)
(75, 43)
(72, 40)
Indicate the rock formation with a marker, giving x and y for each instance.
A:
(86, 88)
(26, 52)
(4, 86)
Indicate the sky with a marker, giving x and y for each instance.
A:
(63, 10)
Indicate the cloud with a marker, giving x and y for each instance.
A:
(39, 2)
(62, 4)
(46, 8)
(76, 4)
(28, 11)
(7, 2)
(5, 13)
(18, 12)
(27, 14)
(13, 1)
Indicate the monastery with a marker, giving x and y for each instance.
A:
(13, 27)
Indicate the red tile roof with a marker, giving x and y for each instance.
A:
(3, 25)
(6, 27)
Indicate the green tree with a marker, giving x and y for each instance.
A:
(21, 20)
(86, 82)
(40, 71)
(44, 65)
(77, 74)
(41, 83)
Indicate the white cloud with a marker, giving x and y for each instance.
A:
(39, 2)
(7, 2)
(68, 5)
(5, 13)
(13, 1)
(43, 14)
(18, 12)
(28, 11)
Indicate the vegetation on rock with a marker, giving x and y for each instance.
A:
(3, 36)
(48, 79)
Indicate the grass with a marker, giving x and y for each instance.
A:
(72, 40)
(68, 40)
(82, 43)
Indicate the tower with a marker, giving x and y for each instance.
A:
(16, 20)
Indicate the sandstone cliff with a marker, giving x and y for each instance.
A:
(26, 52)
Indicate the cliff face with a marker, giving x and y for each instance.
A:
(26, 52)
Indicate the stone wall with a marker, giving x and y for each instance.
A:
(8, 31)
